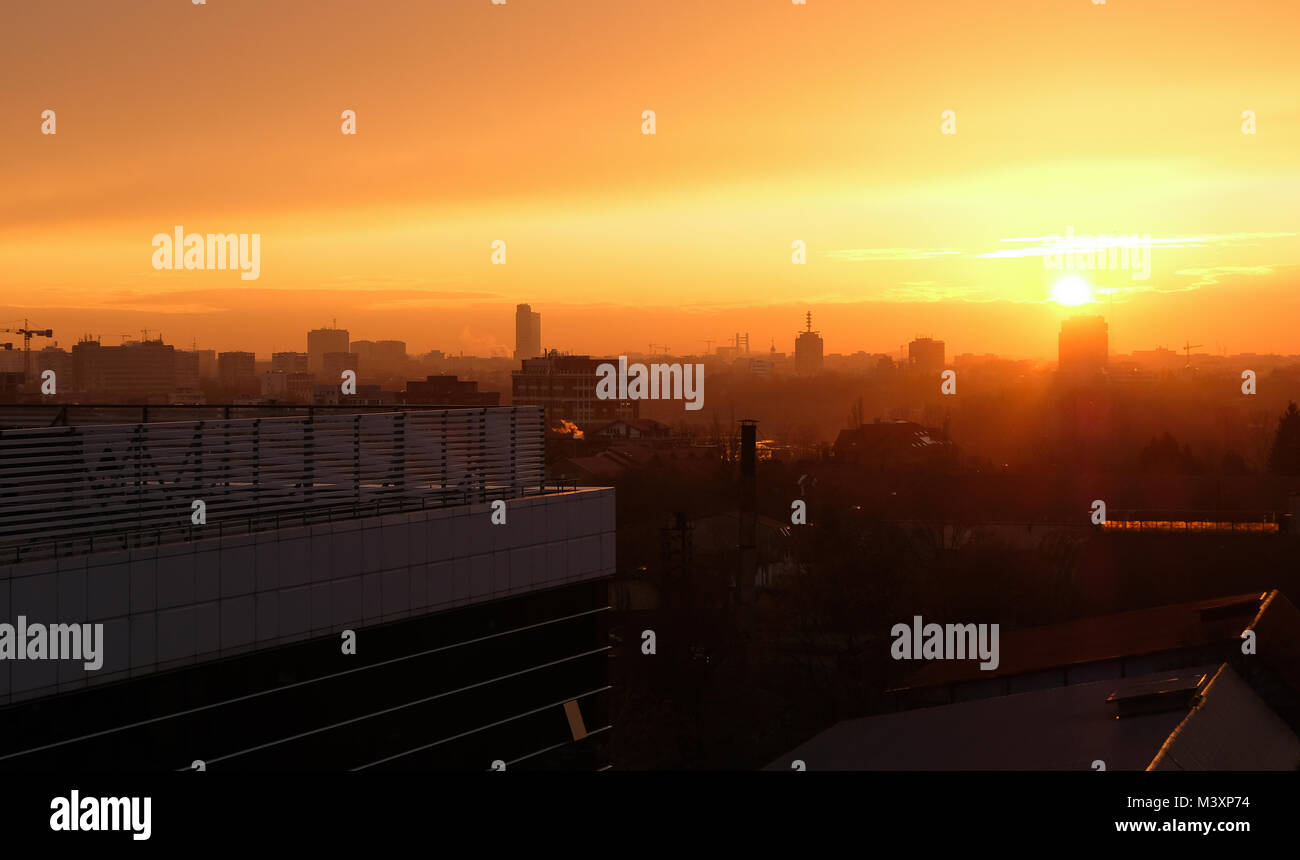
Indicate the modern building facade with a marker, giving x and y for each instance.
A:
(377, 591)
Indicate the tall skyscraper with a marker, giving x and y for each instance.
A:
(808, 350)
(1083, 345)
(321, 341)
(528, 332)
(926, 355)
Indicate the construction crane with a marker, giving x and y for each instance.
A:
(662, 346)
(1188, 346)
(28, 334)
(708, 346)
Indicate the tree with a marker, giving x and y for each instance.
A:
(1284, 458)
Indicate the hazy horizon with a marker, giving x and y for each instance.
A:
(775, 123)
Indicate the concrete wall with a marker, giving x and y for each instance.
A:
(177, 604)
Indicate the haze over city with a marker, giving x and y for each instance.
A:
(770, 129)
(484, 386)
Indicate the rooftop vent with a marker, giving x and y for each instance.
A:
(1173, 693)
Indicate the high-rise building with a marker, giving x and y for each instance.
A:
(207, 363)
(187, 370)
(237, 370)
(1083, 345)
(926, 355)
(321, 341)
(808, 350)
(528, 332)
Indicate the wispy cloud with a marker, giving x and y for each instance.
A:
(872, 255)
(1052, 245)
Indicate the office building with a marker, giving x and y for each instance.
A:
(528, 332)
(324, 340)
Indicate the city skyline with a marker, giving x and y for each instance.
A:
(688, 231)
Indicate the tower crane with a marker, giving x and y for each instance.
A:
(28, 334)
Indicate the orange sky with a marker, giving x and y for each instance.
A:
(776, 122)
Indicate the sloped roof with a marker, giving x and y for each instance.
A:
(1123, 634)
(1063, 728)
(1231, 728)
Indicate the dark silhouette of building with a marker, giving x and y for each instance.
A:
(808, 350)
(528, 332)
(237, 370)
(135, 370)
(926, 355)
(289, 362)
(893, 444)
(448, 391)
(337, 362)
(324, 340)
(1083, 347)
(566, 386)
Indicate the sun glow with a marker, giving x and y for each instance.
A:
(1072, 291)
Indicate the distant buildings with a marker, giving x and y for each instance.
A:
(893, 445)
(566, 386)
(808, 351)
(207, 363)
(324, 340)
(528, 332)
(448, 391)
(135, 370)
(237, 370)
(334, 363)
(290, 362)
(926, 355)
(380, 356)
(1083, 347)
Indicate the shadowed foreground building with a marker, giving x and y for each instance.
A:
(224, 642)
(1165, 688)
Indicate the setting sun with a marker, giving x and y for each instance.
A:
(1072, 291)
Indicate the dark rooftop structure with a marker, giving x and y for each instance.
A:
(1197, 718)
